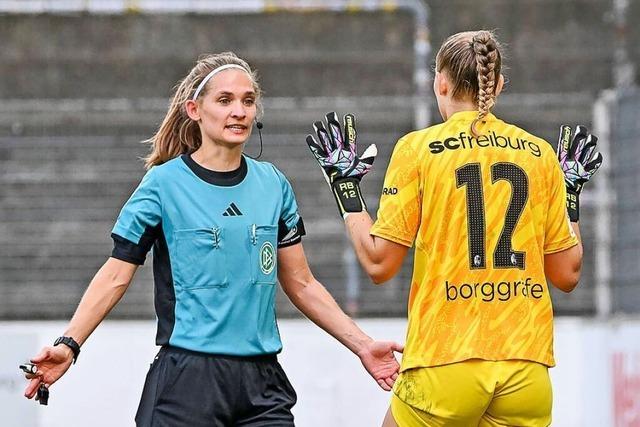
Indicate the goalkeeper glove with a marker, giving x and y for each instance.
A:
(336, 153)
(579, 160)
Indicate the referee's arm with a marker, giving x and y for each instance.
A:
(315, 302)
(103, 293)
(105, 290)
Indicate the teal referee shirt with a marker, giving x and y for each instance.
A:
(215, 237)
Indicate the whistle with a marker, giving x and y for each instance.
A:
(43, 395)
(29, 368)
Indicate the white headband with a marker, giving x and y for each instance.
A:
(212, 73)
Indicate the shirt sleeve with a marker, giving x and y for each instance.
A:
(401, 201)
(290, 224)
(139, 222)
(559, 234)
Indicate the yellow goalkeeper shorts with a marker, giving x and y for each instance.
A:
(474, 393)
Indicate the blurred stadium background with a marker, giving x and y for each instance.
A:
(82, 82)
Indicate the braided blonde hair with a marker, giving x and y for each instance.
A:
(178, 134)
(472, 61)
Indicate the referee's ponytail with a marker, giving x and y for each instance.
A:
(472, 62)
(178, 134)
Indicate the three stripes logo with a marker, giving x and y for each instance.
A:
(232, 210)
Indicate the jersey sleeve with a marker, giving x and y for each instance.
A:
(559, 234)
(290, 224)
(401, 201)
(139, 222)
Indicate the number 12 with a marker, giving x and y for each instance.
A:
(470, 176)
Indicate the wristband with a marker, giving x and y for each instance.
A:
(348, 196)
(71, 343)
(573, 205)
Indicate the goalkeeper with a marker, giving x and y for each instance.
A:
(490, 208)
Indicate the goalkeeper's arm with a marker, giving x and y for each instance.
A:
(563, 269)
(579, 159)
(380, 258)
(336, 153)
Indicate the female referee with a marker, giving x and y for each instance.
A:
(484, 203)
(222, 226)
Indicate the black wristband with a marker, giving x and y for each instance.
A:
(71, 343)
(573, 205)
(348, 196)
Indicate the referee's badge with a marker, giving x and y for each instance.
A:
(267, 258)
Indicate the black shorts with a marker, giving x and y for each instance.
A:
(191, 389)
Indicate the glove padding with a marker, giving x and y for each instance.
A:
(579, 159)
(336, 153)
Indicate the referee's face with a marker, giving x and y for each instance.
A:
(228, 109)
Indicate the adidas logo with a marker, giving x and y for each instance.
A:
(232, 210)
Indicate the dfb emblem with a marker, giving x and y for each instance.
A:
(267, 258)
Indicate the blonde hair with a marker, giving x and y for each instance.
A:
(178, 133)
(472, 61)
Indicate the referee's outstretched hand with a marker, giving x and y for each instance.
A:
(379, 360)
(52, 363)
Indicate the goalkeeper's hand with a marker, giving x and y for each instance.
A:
(337, 155)
(579, 159)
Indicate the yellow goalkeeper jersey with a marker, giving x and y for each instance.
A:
(482, 213)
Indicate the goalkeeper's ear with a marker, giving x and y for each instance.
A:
(500, 85)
